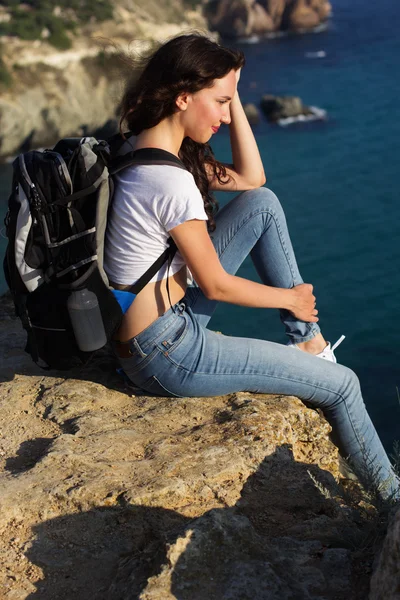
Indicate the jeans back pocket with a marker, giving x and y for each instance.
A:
(154, 387)
(173, 337)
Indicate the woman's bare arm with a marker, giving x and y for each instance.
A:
(247, 171)
(195, 245)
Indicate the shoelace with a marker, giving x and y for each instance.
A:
(340, 340)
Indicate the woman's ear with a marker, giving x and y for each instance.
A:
(182, 101)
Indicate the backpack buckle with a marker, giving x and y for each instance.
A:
(36, 202)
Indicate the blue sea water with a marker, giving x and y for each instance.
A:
(338, 183)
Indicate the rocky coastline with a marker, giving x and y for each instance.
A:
(54, 93)
(265, 18)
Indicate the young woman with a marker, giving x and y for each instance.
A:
(187, 90)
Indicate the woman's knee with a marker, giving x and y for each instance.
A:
(350, 385)
(260, 199)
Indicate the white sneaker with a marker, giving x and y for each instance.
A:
(327, 352)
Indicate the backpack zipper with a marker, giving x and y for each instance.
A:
(34, 198)
(61, 171)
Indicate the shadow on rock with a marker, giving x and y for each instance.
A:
(282, 539)
(272, 545)
(79, 554)
(29, 453)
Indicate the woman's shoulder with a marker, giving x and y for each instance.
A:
(169, 180)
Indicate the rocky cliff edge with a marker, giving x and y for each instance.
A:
(110, 494)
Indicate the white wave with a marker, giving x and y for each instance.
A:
(321, 27)
(253, 39)
(318, 114)
(318, 29)
(270, 35)
(318, 54)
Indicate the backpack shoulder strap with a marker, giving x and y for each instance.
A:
(144, 156)
(168, 254)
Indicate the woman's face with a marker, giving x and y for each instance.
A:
(207, 109)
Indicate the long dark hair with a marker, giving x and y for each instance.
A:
(187, 63)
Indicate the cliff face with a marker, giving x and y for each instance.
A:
(385, 583)
(61, 93)
(57, 99)
(107, 493)
(244, 18)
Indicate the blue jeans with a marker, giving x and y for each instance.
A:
(177, 356)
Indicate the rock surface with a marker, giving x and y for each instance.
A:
(252, 113)
(385, 583)
(109, 494)
(282, 107)
(245, 18)
(50, 102)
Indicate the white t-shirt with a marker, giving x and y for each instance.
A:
(149, 201)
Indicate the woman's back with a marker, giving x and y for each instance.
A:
(149, 201)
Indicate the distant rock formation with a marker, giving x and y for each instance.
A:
(252, 113)
(245, 18)
(289, 109)
(281, 107)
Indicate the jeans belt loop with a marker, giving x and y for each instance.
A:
(138, 349)
(124, 349)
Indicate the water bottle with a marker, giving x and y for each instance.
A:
(87, 323)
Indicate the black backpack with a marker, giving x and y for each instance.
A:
(55, 224)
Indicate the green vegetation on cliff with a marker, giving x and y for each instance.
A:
(40, 19)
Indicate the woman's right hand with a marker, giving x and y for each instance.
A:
(303, 303)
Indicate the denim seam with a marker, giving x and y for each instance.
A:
(308, 337)
(353, 426)
(153, 341)
(153, 379)
(310, 326)
(278, 227)
(306, 381)
(144, 363)
(339, 396)
(177, 343)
